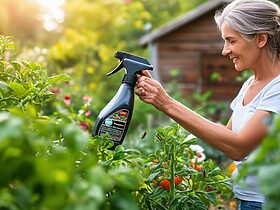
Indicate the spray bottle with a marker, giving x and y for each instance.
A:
(115, 117)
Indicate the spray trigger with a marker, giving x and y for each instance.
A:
(115, 70)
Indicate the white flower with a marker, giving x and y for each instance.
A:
(81, 112)
(190, 137)
(200, 156)
(196, 148)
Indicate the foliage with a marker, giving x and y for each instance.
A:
(265, 163)
(179, 177)
(23, 84)
(169, 10)
(51, 164)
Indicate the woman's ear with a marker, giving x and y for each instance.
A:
(262, 39)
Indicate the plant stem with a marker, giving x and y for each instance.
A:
(172, 172)
(8, 98)
(158, 203)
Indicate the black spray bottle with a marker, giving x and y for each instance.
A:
(115, 117)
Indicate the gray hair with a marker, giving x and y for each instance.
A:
(252, 17)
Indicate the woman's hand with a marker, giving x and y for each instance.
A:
(151, 91)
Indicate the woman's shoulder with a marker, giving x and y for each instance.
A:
(269, 99)
(273, 85)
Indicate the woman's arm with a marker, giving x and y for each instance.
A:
(229, 124)
(236, 146)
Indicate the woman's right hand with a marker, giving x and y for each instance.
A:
(151, 91)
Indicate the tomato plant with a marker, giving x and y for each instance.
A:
(183, 179)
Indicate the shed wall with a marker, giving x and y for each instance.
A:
(184, 50)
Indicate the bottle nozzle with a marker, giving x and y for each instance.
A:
(122, 55)
(133, 64)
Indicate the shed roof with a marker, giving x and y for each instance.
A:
(183, 20)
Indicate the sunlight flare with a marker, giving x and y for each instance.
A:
(53, 13)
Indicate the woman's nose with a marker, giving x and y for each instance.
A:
(226, 50)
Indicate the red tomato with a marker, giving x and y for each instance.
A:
(165, 184)
(198, 167)
(177, 180)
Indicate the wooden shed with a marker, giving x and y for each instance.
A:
(192, 44)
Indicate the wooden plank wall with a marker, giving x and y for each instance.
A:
(183, 50)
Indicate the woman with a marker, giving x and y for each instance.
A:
(251, 33)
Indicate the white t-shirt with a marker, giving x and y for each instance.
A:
(268, 99)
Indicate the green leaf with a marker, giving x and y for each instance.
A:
(10, 45)
(199, 204)
(49, 96)
(157, 191)
(119, 155)
(16, 65)
(25, 63)
(153, 176)
(267, 175)
(18, 89)
(33, 66)
(211, 197)
(215, 172)
(57, 78)
(31, 111)
(2, 65)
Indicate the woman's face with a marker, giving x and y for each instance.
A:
(244, 54)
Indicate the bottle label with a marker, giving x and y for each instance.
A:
(114, 125)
